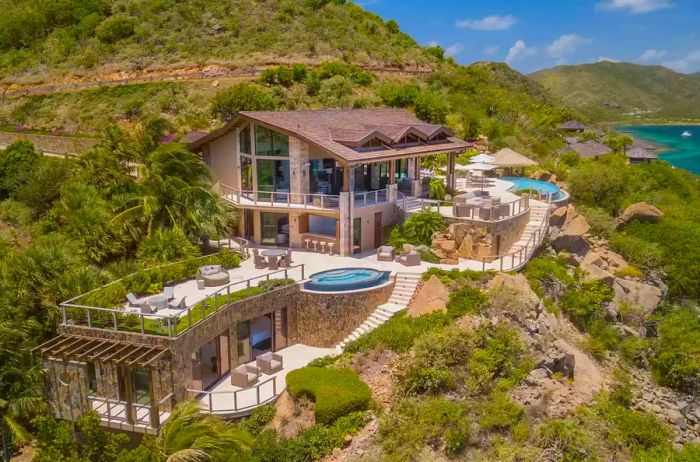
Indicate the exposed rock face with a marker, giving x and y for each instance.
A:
(572, 234)
(519, 287)
(641, 211)
(462, 240)
(558, 217)
(644, 295)
(431, 296)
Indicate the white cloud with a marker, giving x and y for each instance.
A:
(688, 63)
(519, 49)
(566, 45)
(652, 55)
(493, 22)
(433, 43)
(605, 58)
(453, 49)
(635, 6)
(491, 50)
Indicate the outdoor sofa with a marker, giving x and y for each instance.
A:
(245, 375)
(269, 363)
(385, 253)
(212, 276)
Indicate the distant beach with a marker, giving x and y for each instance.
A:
(679, 151)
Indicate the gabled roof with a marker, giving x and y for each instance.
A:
(640, 153)
(328, 130)
(192, 137)
(589, 148)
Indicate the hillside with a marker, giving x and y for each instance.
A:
(46, 39)
(614, 91)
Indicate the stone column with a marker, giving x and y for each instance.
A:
(451, 158)
(295, 230)
(392, 172)
(345, 220)
(392, 192)
(299, 176)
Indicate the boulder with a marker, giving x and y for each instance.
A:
(431, 296)
(448, 245)
(615, 261)
(465, 249)
(641, 211)
(595, 273)
(459, 231)
(519, 285)
(571, 237)
(558, 217)
(646, 296)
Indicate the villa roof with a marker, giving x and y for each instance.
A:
(573, 125)
(191, 137)
(506, 157)
(76, 347)
(589, 148)
(640, 153)
(338, 132)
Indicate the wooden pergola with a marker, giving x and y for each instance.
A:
(124, 354)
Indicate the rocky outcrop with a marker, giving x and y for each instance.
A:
(641, 211)
(646, 296)
(462, 240)
(571, 236)
(518, 287)
(431, 296)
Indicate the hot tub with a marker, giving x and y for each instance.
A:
(346, 279)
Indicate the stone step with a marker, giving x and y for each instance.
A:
(381, 315)
(404, 291)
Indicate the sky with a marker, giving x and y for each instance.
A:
(536, 34)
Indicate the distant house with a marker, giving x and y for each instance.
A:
(641, 155)
(589, 149)
(573, 126)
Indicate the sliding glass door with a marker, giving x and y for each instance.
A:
(273, 176)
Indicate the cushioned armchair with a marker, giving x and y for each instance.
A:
(411, 258)
(269, 363)
(245, 375)
(385, 253)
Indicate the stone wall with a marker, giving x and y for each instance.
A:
(323, 320)
(66, 388)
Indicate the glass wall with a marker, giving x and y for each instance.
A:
(270, 143)
(244, 140)
(246, 173)
(370, 177)
(356, 235)
(273, 176)
(401, 170)
(325, 177)
(243, 342)
(274, 228)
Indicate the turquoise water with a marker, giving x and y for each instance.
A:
(346, 279)
(683, 152)
(542, 187)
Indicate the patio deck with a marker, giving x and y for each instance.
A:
(229, 401)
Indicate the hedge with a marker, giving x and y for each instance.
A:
(336, 392)
(152, 280)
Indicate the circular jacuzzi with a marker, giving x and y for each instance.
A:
(346, 279)
(543, 188)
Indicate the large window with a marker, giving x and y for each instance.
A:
(244, 140)
(273, 175)
(401, 170)
(270, 143)
(246, 174)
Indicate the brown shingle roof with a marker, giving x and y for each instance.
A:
(192, 137)
(589, 149)
(640, 153)
(322, 128)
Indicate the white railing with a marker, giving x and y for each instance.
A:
(516, 259)
(160, 324)
(278, 198)
(491, 213)
(237, 401)
(116, 411)
(365, 198)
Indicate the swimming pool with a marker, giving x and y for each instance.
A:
(342, 280)
(543, 188)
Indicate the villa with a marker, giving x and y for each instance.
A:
(315, 191)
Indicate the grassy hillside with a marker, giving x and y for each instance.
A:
(46, 38)
(614, 91)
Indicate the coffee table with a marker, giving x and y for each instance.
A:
(159, 302)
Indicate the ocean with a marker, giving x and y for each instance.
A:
(679, 151)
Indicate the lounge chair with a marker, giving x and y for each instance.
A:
(269, 363)
(133, 301)
(259, 261)
(213, 275)
(169, 292)
(244, 375)
(385, 253)
(178, 304)
(410, 258)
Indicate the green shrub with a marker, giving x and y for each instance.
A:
(635, 429)
(398, 333)
(466, 300)
(114, 29)
(500, 359)
(259, 418)
(676, 362)
(583, 304)
(413, 423)
(456, 276)
(629, 271)
(500, 413)
(570, 438)
(166, 246)
(241, 97)
(637, 251)
(428, 380)
(336, 392)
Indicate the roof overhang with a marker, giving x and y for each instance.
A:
(80, 348)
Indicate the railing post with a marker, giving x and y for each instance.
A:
(63, 314)
(142, 324)
(302, 271)
(285, 274)
(235, 400)
(483, 264)
(274, 386)
(211, 409)
(89, 317)
(501, 265)
(170, 327)
(247, 287)
(204, 310)
(257, 394)
(114, 319)
(189, 317)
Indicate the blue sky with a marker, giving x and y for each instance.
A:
(534, 34)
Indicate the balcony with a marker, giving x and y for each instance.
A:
(143, 418)
(484, 210)
(277, 199)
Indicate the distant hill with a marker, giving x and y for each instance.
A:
(46, 39)
(615, 91)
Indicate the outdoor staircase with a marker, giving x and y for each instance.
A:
(538, 211)
(411, 204)
(404, 288)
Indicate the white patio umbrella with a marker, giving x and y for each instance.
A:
(480, 167)
(482, 159)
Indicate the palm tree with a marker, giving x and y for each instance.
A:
(174, 193)
(190, 436)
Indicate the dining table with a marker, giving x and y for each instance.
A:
(272, 254)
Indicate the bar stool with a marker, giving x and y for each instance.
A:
(307, 241)
(315, 243)
(323, 246)
(330, 248)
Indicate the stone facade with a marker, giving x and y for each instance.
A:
(323, 320)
